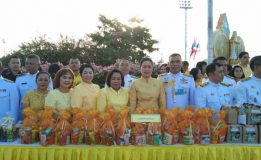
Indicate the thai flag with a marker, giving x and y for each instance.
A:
(195, 48)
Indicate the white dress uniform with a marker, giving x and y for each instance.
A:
(26, 83)
(9, 99)
(231, 83)
(249, 91)
(227, 80)
(179, 89)
(128, 79)
(212, 95)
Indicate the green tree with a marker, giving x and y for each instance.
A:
(115, 40)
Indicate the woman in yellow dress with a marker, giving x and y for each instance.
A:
(147, 92)
(60, 97)
(196, 73)
(84, 95)
(35, 99)
(114, 95)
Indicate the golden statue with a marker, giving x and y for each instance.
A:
(222, 46)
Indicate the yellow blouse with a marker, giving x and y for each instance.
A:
(247, 71)
(35, 100)
(108, 97)
(77, 80)
(198, 82)
(84, 95)
(147, 94)
(58, 100)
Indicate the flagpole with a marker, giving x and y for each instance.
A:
(210, 31)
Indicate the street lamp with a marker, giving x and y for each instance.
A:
(185, 4)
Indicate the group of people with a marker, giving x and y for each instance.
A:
(72, 86)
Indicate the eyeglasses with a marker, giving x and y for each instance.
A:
(246, 57)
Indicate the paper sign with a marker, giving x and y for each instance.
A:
(140, 118)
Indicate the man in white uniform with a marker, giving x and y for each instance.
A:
(179, 87)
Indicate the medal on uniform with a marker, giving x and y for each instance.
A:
(255, 100)
(173, 90)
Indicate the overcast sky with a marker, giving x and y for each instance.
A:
(23, 20)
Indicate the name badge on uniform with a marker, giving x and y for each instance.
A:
(24, 83)
(253, 87)
(183, 81)
(2, 90)
(180, 92)
(227, 94)
(212, 94)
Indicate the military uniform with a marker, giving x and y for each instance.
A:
(230, 81)
(249, 91)
(26, 83)
(179, 89)
(8, 74)
(212, 95)
(128, 79)
(9, 99)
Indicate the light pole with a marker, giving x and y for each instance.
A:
(210, 31)
(185, 4)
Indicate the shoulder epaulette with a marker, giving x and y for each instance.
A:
(163, 74)
(224, 84)
(7, 80)
(245, 79)
(20, 75)
(204, 84)
(188, 75)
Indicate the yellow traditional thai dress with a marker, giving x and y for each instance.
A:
(247, 71)
(84, 95)
(35, 100)
(147, 93)
(108, 97)
(58, 100)
(77, 80)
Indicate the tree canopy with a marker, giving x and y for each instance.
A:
(111, 41)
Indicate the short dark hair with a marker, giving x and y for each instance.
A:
(146, 59)
(241, 54)
(185, 63)
(211, 68)
(201, 64)
(194, 72)
(53, 69)
(232, 74)
(255, 61)
(109, 75)
(174, 55)
(42, 72)
(14, 57)
(229, 68)
(34, 56)
(220, 58)
(85, 66)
